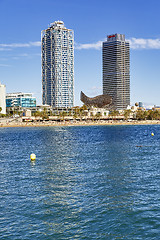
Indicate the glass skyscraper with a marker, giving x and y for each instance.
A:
(58, 66)
(116, 70)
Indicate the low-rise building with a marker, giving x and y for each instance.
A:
(24, 100)
(98, 111)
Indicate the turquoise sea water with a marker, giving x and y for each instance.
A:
(95, 182)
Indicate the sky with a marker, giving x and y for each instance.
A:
(20, 43)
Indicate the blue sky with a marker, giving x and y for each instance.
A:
(20, 36)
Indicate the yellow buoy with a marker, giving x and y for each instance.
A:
(32, 156)
(152, 134)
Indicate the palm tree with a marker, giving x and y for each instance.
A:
(142, 115)
(98, 115)
(63, 114)
(127, 113)
(152, 114)
(114, 113)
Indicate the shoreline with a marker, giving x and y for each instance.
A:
(79, 123)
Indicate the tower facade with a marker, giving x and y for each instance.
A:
(58, 66)
(116, 70)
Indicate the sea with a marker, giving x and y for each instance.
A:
(87, 182)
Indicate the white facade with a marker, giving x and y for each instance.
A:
(20, 99)
(3, 98)
(58, 66)
(93, 111)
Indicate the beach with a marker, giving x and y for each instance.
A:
(19, 123)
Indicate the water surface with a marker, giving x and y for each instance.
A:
(95, 182)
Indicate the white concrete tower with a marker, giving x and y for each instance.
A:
(3, 98)
(58, 66)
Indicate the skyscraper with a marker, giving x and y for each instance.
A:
(116, 70)
(58, 65)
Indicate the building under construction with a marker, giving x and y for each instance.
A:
(58, 66)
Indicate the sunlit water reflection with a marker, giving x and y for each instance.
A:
(86, 183)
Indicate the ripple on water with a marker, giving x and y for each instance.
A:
(86, 183)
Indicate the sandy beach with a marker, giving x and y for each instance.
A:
(76, 123)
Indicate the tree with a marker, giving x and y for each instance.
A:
(127, 113)
(76, 111)
(153, 114)
(84, 107)
(70, 113)
(98, 115)
(114, 113)
(75, 115)
(141, 115)
(63, 114)
(37, 114)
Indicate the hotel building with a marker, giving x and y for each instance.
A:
(24, 100)
(58, 66)
(116, 70)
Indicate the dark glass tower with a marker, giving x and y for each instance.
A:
(116, 70)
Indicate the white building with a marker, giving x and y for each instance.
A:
(20, 99)
(102, 111)
(58, 66)
(3, 98)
